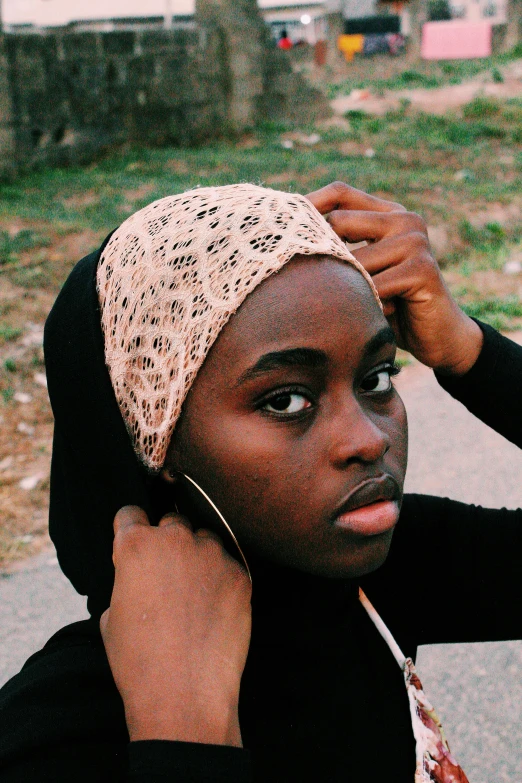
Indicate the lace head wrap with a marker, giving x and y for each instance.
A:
(173, 274)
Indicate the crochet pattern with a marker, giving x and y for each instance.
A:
(173, 274)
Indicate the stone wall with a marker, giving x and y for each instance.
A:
(69, 95)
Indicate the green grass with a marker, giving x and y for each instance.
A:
(8, 333)
(482, 106)
(442, 132)
(495, 311)
(26, 239)
(10, 365)
(7, 394)
(435, 147)
(447, 168)
(490, 234)
(425, 74)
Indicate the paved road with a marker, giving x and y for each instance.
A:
(477, 688)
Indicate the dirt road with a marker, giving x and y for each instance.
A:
(477, 688)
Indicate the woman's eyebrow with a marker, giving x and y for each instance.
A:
(385, 336)
(291, 357)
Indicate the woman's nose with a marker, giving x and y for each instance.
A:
(359, 435)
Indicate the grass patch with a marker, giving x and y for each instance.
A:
(428, 75)
(482, 106)
(447, 168)
(492, 235)
(8, 333)
(10, 365)
(496, 311)
(26, 239)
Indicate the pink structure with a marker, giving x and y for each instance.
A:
(455, 40)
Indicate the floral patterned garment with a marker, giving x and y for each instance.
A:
(434, 762)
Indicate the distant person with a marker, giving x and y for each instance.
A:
(284, 41)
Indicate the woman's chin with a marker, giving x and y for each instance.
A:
(367, 555)
(364, 555)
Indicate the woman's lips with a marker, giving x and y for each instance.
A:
(371, 520)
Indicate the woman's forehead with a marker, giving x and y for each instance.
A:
(310, 302)
(303, 290)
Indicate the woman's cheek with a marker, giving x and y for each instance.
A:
(399, 434)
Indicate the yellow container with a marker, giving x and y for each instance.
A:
(350, 45)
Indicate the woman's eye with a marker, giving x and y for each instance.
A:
(380, 381)
(287, 402)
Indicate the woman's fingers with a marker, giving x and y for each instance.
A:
(339, 196)
(128, 516)
(360, 225)
(205, 533)
(175, 519)
(409, 280)
(180, 608)
(416, 300)
(394, 251)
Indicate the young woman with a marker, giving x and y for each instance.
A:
(229, 334)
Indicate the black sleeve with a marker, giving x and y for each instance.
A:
(62, 719)
(492, 389)
(157, 761)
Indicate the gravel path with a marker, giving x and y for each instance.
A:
(477, 688)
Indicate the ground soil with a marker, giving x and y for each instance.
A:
(26, 422)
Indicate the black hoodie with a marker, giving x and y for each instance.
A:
(322, 698)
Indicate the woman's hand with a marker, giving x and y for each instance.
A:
(177, 631)
(424, 316)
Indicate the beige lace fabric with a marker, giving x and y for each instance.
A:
(171, 277)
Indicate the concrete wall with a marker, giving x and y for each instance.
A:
(67, 95)
(7, 138)
(73, 94)
(262, 84)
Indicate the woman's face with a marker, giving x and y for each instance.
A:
(293, 426)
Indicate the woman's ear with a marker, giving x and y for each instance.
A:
(168, 475)
(170, 468)
(172, 463)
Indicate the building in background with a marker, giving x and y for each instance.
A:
(478, 10)
(305, 21)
